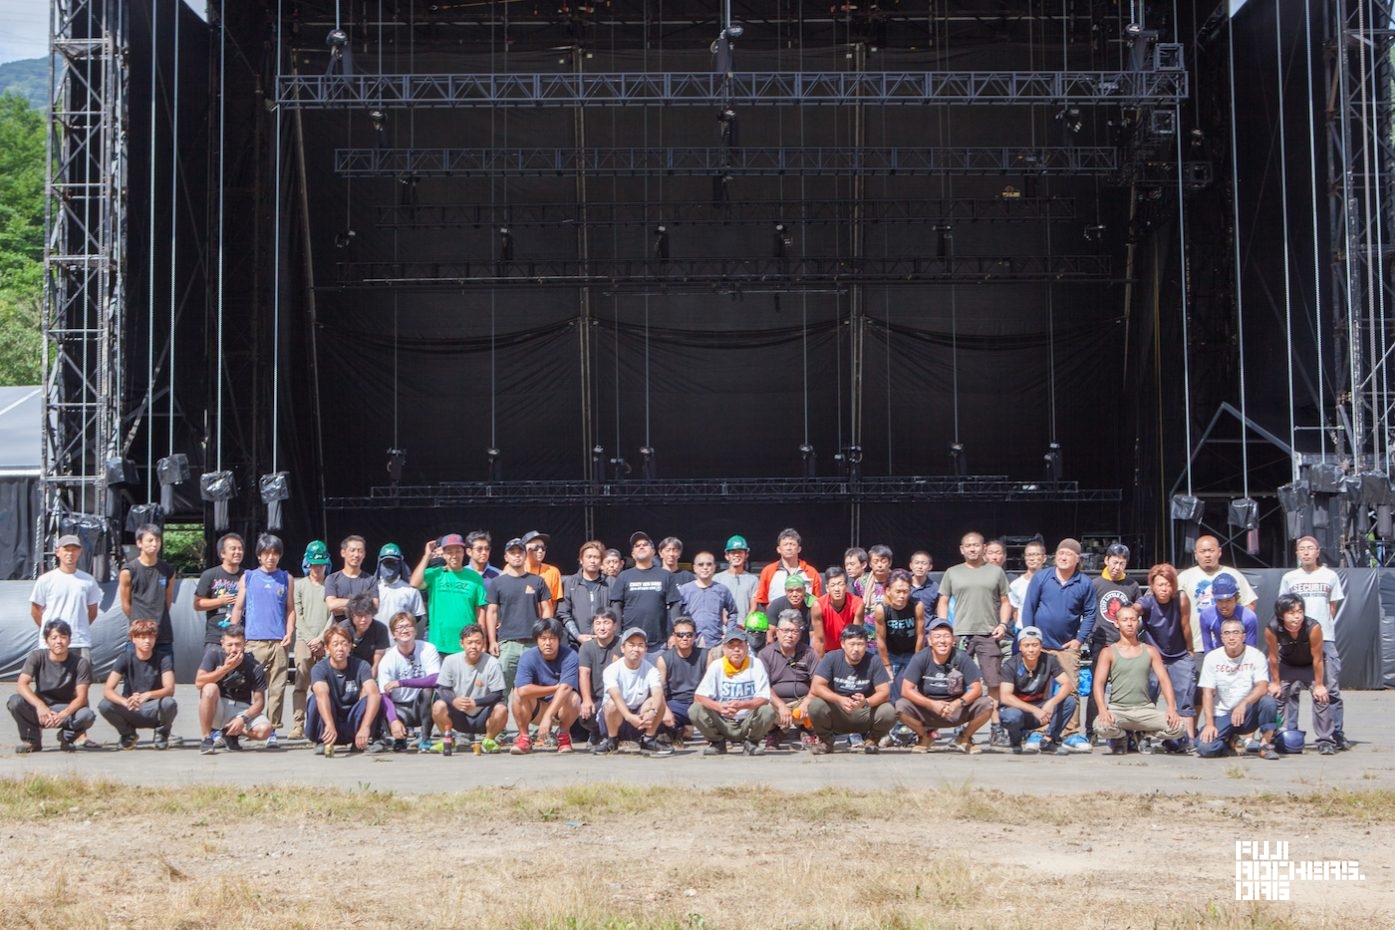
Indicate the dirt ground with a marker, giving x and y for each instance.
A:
(607, 855)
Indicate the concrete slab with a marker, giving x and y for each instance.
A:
(1370, 719)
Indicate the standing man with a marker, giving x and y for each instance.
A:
(645, 595)
(266, 609)
(1225, 603)
(670, 551)
(395, 591)
(217, 589)
(924, 589)
(874, 585)
(711, 605)
(982, 614)
(518, 599)
(51, 693)
(69, 594)
(1034, 557)
(772, 578)
(1296, 653)
(311, 619)
(455, 594)
(535, 548)
(1321, 591)
(1061, 603)
(1194, 587)
(741, 583)
(351, 579)
(995, 552)
(839, 606)
(1113, 590)
(584, 593)
(146, 587)
(140, 689)
(369, 639)
(478, 543)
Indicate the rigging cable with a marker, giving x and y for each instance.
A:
(1239, 301)
(1283, 190)
(150, 269)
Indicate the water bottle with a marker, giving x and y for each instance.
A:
(1086, 682)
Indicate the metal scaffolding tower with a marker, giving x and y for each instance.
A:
(84, 264)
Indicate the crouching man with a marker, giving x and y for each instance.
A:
(850, 693)
(51, 693)
(470, 694)
(232, 694)
(1028, 701)
(140, 689)
(346, 698)
(633, 706)
(1235, 697)
(732, 703)
(943, 687)
(1124, 668)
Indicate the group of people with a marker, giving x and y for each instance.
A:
(454, 652)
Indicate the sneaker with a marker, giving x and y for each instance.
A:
(398, 745)
(272, 742)
(1077, 743)
(162, 738)
(1267, 752)
(233, 743)
(65, 743)
(1117, 747)
(1343, 744)
(1327, 749)
(821, 747)
(128, 742)
(24, 749)
(870, 747)
(854, 740)
(564, 742)
(998, 737)
(1033, 743)
(1015, 748)
(718, 747)
(604, 746)
(652, 747)
(490, 746)
(208, 746)
(772, 742)
(448, 744)
(965, 744)
(218, 741)
(753, 748)
(522, 745)
(379, 746)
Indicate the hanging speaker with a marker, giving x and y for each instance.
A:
(218, 488)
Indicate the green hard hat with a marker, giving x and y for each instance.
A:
(755, 620)
(317, 553)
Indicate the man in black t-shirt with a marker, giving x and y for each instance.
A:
(850, 694)
(146, 587)
(232, 694)
(600, 649)
(370, 638)
(1028, 701)
(645, 595)
(345, 708)
(51, 693)
(517, 599)
(942, 687)
(681, 667)
(217, 589)
(341, 586)
(140, 689)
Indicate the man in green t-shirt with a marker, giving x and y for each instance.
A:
(455, 595)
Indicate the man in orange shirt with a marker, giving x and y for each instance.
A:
(772, 577)
(535, 545)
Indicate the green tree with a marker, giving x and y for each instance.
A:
(22, 138)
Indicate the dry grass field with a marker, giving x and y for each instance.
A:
(95, 854)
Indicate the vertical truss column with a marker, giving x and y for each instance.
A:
(84, 266)
(1361, 198)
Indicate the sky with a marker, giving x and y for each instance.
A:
(24, 28)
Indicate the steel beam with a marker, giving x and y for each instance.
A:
(716, 160)
(709, 88)
(718, 272)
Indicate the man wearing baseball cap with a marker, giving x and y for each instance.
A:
(645, 595)
(734, 577)
(455, 594)
(733, 701)
(69, 594)
(1225, 604)
(633, 706)
(1037, 694)
(535, 549)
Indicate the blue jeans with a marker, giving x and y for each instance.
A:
(345, 725)
(1015, 721)
(1182, 673)
(1258, 716)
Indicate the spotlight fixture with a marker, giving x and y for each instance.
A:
(661, 243)
(1095, 233)
(492, 455)
(1133, 30)
(619, 468)
(960, 460)
(275, 488)
(505, 244)
(341, 53)
(782, 242)
(806, 452)
(726, 126)
(1070, 119)
(849, 459)
(945, 246)
(1198, 138)
(649, 466)
(1053, 461)
(377, 118)
(1010, 193)
(734, 30)
(342, 240)
(598, 463)
(396, 461)
(337, 38)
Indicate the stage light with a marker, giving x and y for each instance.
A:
(649, 466)
(1198, 138)
(619, 468)
(960, 460)
(396, 461)
(1095, 233)
(343, 240)
(782, 242)
(726, 127)
(1010, 193)
(505, 244)
(218, 487)
(274, 488)
(171, 470)
(598, 463)
(1069, 118)
(945, 247)
(337, 38)
(378, 118)
(734, 30)
(661, 243)
(492, 455)
(341, 53)
(1133, 30)
(1053, 461)
(806, 452)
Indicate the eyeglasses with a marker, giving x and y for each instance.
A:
(684, 635)
(537, 547)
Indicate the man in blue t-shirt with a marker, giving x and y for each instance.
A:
(345, 709)
(545, 689)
